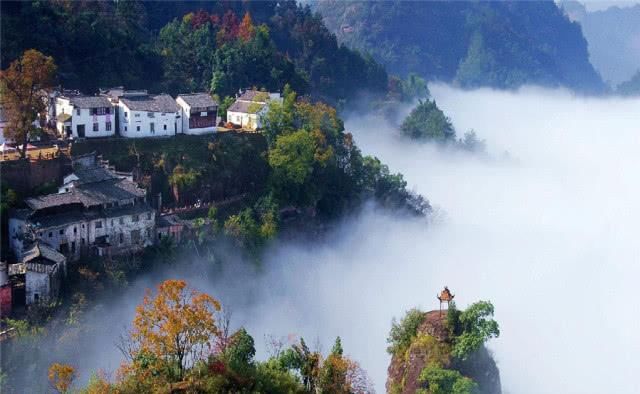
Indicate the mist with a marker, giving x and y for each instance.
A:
(547, 232)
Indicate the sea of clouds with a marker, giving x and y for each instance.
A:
(545, 226)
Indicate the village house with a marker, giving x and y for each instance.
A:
(96, 211)
(249, 108)
(42, 269)
(79, 116)
(199, 113)
(169, 226)
(145, 115)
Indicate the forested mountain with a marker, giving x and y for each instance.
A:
(614, 52)
(178, 46)
(499, 44)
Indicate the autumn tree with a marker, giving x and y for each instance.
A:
(246, 30)
(24, 88)
(61, 376)
(175, 328)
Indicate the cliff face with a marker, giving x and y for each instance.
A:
(432, 345)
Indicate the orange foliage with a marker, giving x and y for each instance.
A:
(246, 31)
(24, 85)
(177, 326)
(61, 376)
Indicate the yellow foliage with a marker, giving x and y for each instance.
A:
(61, 376)
(176, 327)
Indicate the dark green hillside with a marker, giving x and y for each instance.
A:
(498, 44)
(178, 46)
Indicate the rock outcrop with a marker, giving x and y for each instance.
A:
(432, 345)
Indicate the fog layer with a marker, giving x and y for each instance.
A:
(549, 235)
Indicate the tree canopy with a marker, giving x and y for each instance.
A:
(427, 122)
(24, 88)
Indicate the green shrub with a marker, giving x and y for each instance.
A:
(402, 333)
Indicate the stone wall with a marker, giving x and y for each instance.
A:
(24, 176)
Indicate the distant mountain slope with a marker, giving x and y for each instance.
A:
(614, 39)
(500, 44)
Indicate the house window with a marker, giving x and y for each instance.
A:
(95, 127)
(149, 216)
(151, 114)
(148, 233)
(82, 242)
(125, 128)
(50, 234)
(83, 226)
(125, 114)
(61, 232)
(137, 128)
(36, 297)
(135, 218)
(136, 115)
(99, 224)
(135, 236)
(107, 110)
(165, 127)
(108, 126)
(78, 111)
(75, 230)
(111, 222)
(121, 238)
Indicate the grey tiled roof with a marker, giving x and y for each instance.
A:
(246, 107)
(92, 174)
(90, 101)
(58, 199)
(89, 194)
(159, 103)
(111, 190)
(254, 95)
(40, 249)
(199, 100)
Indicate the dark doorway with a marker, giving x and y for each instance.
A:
(80, 129)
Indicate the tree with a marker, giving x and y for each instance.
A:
(246, 31)
(61, 377)
(24, 88)
(403, 332)
(224, 106)
(292, 157)
(475, 326)
(280, 117)
(445, 381)
(175, 328)
(428, 122)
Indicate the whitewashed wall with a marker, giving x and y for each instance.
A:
(137, 124)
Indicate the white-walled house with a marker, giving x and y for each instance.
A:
(199, 113)
(148, 116)
(250, 107)
(96, 210)
(84, 116)
(44, 269)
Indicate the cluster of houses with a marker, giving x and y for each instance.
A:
(96, 212)
(138, 114)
